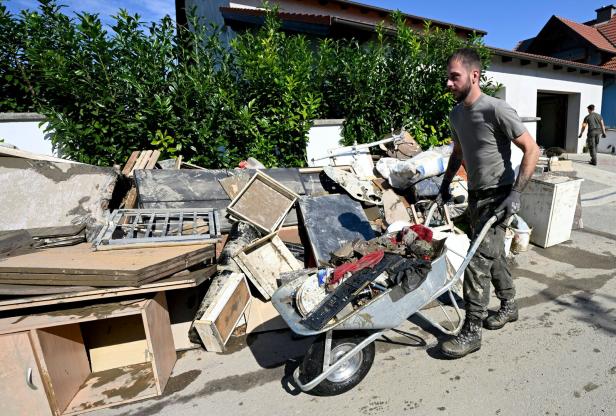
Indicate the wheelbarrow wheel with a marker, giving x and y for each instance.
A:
(348, 375)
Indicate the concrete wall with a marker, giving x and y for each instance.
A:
(523, 82)
(23, 131)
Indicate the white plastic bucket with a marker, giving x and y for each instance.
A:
(521, 240)
(509, 236)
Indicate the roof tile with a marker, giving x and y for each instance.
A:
(589, 33)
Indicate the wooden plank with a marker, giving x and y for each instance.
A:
(178, 281)
(103, 280)
(234, 184)
(14, 240)
(225, 304)
(62, 354)
(416, 219)
(263, 202)
(30, 290)
(130, 163)
(130, 200)
(393, 207)
(160, 339)
(153, 159)
(161, 185)
(110, 247)
(74, 315)
(290, 235)
(113, 387)
(80, 259)
(142, 161)
(262, 316)
(115, 342)
(16, 396)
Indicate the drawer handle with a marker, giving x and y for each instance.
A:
(29, 378)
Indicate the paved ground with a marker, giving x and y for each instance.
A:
(559, 359)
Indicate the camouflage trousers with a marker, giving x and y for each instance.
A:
(489, 262)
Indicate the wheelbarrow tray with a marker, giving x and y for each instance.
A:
(387, 310)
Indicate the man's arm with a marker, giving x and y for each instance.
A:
(531, 155)
(455, 161)
(584, 124)
(531, 151)
(603, 128)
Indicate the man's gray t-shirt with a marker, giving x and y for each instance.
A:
(485, 131)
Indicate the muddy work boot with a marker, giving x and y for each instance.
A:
(467, 341)
(508, 312)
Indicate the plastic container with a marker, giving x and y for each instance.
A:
(509, 237)
(521, 240)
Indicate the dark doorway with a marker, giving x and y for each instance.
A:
(552, 129)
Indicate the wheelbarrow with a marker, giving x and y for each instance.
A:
(339, 360)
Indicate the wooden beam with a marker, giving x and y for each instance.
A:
(584, 71)
(595, 73)
(506, 59)
(557, 67)
(524, 62)
(542, 64)
(569, 69)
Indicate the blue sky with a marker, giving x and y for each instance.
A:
(506, 22)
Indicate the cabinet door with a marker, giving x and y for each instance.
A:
(22, 391)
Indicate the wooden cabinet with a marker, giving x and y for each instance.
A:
(22, 391)
(52, 345)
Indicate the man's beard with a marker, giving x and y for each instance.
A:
(463, 93)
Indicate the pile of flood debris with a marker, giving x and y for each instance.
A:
(219, 243)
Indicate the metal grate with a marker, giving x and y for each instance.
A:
(138, 226)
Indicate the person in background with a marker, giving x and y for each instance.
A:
(595, 125)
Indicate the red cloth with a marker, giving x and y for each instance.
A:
(423, 232)
(369, 260)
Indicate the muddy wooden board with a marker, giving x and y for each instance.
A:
(394, 208)
(263, 260)
(331, 221)
(80, 259)
(263, 202)
(180, 185)
(223, 307)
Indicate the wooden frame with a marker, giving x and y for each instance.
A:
(263, 202)
(263, 260)
(61, 356)
(225, 309)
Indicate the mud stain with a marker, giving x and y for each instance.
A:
(237, 383)
(181, 381)
(590, 387)
(579, 258)
(598, 233)
(557, 288)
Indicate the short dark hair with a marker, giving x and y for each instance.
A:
(591, 107)
(467, 56)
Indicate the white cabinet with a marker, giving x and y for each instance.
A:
(548, 206)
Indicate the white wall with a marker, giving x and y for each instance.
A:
(523, 82)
